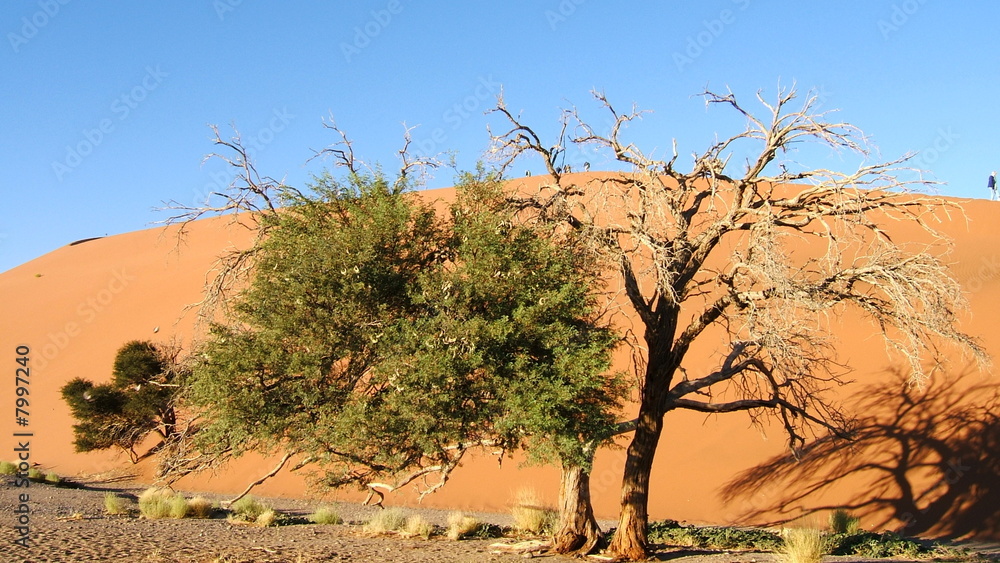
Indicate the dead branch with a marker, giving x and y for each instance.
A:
(247, 200)
(342, 150)
(521, 139)
(412, 168)
(454, 452)
(270, 474)
(443, 470)
(420, 165)
(665, 226)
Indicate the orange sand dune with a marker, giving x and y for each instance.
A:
(936, 475)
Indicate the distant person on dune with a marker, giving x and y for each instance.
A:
(992, 185)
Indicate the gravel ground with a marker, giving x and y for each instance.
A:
(69, 525)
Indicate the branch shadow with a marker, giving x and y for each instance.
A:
(921, 462)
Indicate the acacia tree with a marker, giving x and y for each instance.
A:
(138, 401)
(707, 255)
(379, 341)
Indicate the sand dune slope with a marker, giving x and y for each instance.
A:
(926, 459)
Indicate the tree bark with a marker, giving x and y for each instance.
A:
(629, 541)
(168, 418)
(578, 531)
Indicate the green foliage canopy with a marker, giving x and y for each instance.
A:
(378, 336)
(138, 400)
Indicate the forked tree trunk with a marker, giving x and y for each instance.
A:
(578, 530)
(629, 541)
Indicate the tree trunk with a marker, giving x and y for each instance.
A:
(168, 418)
(578, 530)
(629, 541)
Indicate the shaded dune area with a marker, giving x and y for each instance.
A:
(924, 460)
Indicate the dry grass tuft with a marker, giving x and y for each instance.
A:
(179, 507)
(803, 545)
(115, 505)
(248, 510)
(325, 515)
(460, 525)
(267, 518)
(529, 514)
(201, 507)
(384, 521)
(418, 526)
(155, 503)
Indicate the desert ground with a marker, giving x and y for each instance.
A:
(70, 525)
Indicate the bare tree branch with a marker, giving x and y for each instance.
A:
(342, 151)
(250, 200)
(521, 139)
(760, 259)
(443, 470)
(270, 474)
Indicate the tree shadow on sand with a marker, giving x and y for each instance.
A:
(921, 461)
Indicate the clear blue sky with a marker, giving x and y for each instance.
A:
(106, 106)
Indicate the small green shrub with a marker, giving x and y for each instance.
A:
(417, 525)
(938, 552)
(114, 504)
(872, 545)
(487, 531)
(36, 475)
(8, 468)
(325, 515)
(803, 545)
(388, 520)
(669, 532)
(461, 526)
(843, 522)
(53, 478)
(201, 507)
